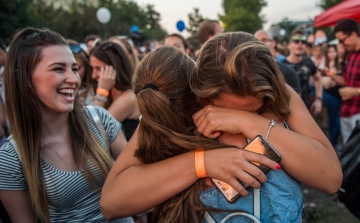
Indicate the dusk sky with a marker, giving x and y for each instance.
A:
(173, 11)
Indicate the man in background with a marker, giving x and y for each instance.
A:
(290, 76)
(304, 68)
(348, 33)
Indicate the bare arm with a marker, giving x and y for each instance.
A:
(18, 206)
(124, 106)
(118, 145)
(317, 104)
(306, 153)
(132, 187)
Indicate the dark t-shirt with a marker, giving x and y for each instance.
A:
(304, 69)
(290, 76)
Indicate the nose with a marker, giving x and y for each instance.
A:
(72, 77)
(94, 75)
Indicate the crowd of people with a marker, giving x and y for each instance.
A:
(113, 134)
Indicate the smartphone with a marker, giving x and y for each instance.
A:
(257, 145)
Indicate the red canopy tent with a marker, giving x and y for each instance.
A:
(349, 9)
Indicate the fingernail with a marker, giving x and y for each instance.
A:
(278, 167)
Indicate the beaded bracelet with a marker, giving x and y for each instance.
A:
(271, 124)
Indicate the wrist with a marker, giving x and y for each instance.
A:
(319, 98)
(100, 98)
(102, 91)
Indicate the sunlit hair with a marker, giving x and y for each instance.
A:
(23, 110)
(128, 48)
(166, 128)
(237, 63)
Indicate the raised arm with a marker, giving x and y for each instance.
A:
(306, 153)
(132, 187)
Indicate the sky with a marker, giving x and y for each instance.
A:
(172, 11)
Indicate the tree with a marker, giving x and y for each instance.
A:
(325, 4)
(195, 18)
(243, 15)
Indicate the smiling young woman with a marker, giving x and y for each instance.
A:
(54, 166)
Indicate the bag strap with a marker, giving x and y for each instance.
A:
(13, 143)
(95, 117)
(256, 216)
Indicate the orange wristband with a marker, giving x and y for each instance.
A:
(102, 92)
(199, 163)
(331, 73)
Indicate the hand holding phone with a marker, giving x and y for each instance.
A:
(257, 145)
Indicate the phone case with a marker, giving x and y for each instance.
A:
(257, 145)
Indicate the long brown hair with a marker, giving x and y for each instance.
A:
(113, 54)
(237, 63)
(23, 109)
(167, 103)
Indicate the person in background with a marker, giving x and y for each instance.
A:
(305, 68)
(207, 29)
(124, 42)
(290, 76)
(54, 165)
(113, 70)
(348, 33)
(332, 99)
(178, 41)
(308, 49)
(88, 85)
(91, 41)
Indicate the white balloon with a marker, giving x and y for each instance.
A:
(282, 32)
(103, 15)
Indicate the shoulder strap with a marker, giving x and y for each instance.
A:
(95, 117)
(13, 143)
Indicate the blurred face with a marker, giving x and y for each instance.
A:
(174, 42)
(297, 44)
(317, 52)
(263, 37)
(97, 65)
(331, 53)
(349, 41)
(56, 80)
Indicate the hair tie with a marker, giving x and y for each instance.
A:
(150, 85)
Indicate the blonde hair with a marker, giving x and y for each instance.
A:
(237, 63)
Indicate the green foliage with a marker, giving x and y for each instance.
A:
(14, 15)
(78, 19)
(195, 18)
(243, 15)
(326, 4)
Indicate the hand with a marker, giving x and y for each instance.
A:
(347, 93)
(316, 106)
(211, 121)
(231, 164)
(107, 78)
